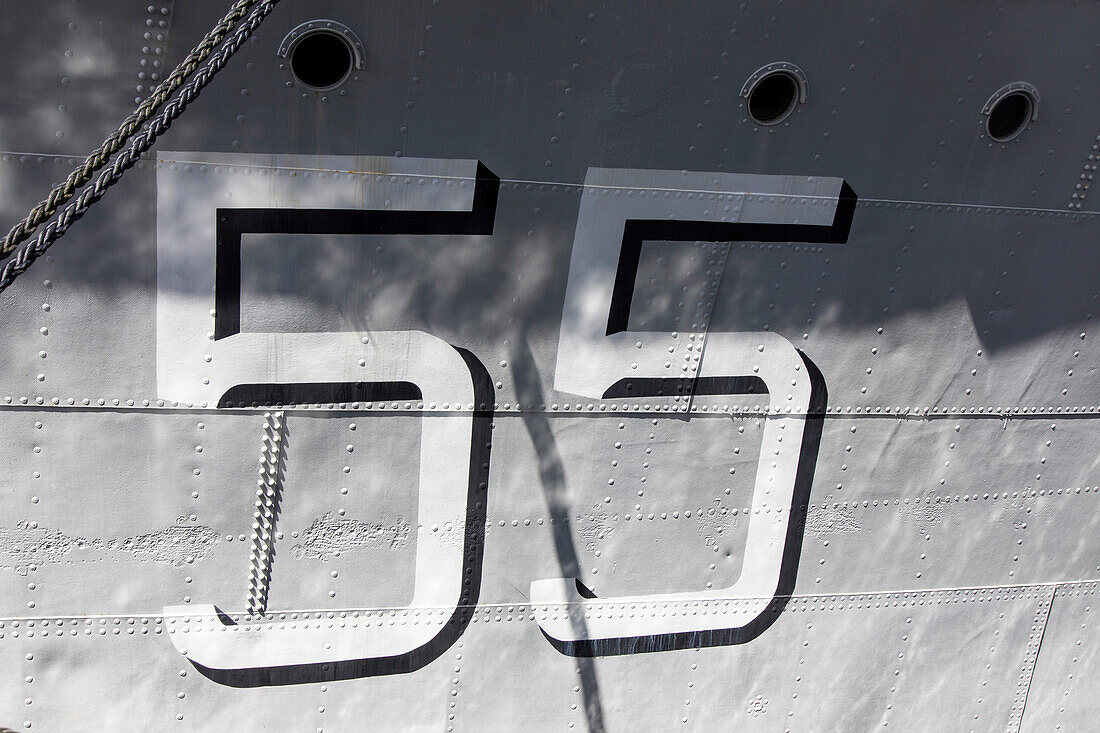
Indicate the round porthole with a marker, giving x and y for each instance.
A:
(773, 92)
(773, 98)
(1010, 111)
(321, 60)
(322, 53)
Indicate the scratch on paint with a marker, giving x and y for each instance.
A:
(176, 545)
(28, 546)
(331, 535)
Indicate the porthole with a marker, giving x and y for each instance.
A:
(1010, 110)
(1009, 117)
(321, 60)
(773, 92)
(322, 54)
(773, 98)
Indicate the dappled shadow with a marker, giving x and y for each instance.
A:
(454, 286)
(556, 494)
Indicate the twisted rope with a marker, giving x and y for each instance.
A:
(264, 519)
(99, 157)
(139, 143)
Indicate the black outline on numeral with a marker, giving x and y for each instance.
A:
(658, 386)
(232, 223)
(473, 555)
(638, 231)
(316, 393)
(792, 544)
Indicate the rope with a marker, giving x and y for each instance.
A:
(268, 490)
(139, 143)
(99, 157)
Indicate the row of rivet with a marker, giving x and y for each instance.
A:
(866, 599)
(1088, 173)
(1025, 494)
(44, 331)
(806, 602)
(516, 185)
(700, 513)
(1027, 669)
(153, 48)
(905, 205)
(637, 407)
(74, 626)
(556, 187)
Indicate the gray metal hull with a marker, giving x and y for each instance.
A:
(577, 399)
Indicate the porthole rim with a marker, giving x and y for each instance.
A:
(315, 27)
(793, 72)
(1022, 88)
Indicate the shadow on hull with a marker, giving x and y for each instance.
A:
(792, 550)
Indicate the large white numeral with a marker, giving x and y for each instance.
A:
(203, 358)
(619, 210)
(204, 202)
